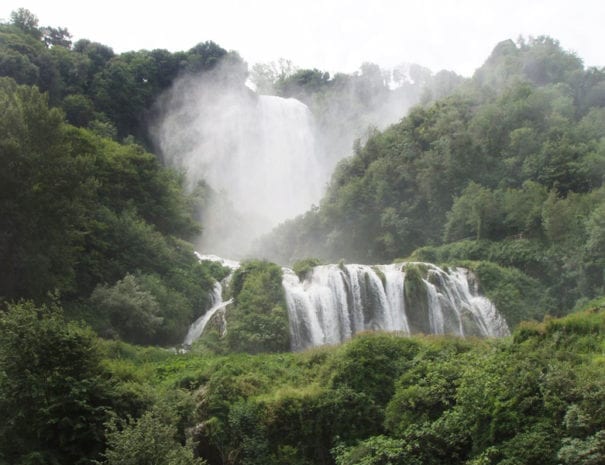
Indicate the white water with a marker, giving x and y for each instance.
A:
(335, 302)
(287, 166)
(258, 153)
(216, 299)
(233, 264)
(395, 278)
(198, 326)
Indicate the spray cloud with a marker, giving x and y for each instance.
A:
(264, 159)
(257, 154)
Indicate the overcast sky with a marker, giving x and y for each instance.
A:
(333, 35)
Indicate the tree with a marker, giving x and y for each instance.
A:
(203, 57)
(56, 37)
(376, 450)
(54, 393)
(98, 54)
(544, 61)
(595, 244)
(26, 21)
(79, 110)
(259, 321)
(44, 196)
(523, 209)
(265, 76)
(474, 213)
(589, 451)
(301, 83)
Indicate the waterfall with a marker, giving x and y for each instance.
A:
(259, 154)
(334, 302)
(286, 165)
(197, 327)
(394, 279)
(216, 298)
(232, 264)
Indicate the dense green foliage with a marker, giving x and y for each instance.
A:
(64, 398)
(150, 439)
(79, 211)
(515, 156)
(258, 322)
(534, 398)
(54, 393)
(303, 267)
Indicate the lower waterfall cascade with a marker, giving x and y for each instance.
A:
(332, 303)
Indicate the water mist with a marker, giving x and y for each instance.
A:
(257, 154)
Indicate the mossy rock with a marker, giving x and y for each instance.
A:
(416, 301)
(304, 267)
(380, 275)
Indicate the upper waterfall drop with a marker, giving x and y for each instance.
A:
(259, 155)
(291, 178)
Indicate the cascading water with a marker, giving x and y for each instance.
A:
(232, 264)
(258, 153)
(289, 176)
(334, 302)
(216, 299)
(197, 327)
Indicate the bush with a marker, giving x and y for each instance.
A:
(258, 320)
(303, 267)
(130, 312)
(371, 363)
(150, 439)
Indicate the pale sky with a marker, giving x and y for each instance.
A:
(332, 35)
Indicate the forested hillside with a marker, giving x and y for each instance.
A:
(508, 169)
(502, 173)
